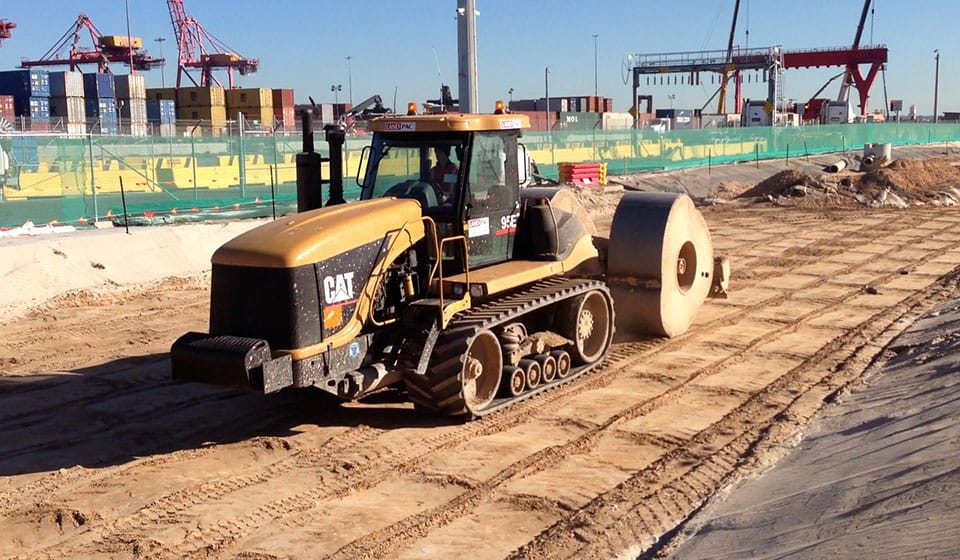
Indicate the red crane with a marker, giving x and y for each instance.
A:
(105, 49)
(5, 27)
(192, 40)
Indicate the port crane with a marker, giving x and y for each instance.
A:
(5, 27)
(105, 49)
(193, 52)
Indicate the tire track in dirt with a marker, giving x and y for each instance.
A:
(219, 537)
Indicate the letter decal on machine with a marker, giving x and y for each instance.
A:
(477, 227)
(400, 126)
(338, 289)
(508, 224)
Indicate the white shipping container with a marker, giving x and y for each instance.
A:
(68, 109)
(135, 128)
(66, 84)
(133, 109)
(616, 121)
(130, 86)
(167, 129)
(76, 128)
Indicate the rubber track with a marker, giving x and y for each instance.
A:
(440, 388)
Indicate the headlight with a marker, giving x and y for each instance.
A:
(476, 290)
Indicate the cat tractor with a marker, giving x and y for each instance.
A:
(464, 287)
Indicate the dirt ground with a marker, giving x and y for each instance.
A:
(103, 456)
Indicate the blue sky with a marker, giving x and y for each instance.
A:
(405, 48)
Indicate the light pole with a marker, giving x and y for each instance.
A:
(163, 80)
(546, 94)
(349, 81)
(671, 97)
(510, 93)
(936, 83)
(595, 65)
(336, 92)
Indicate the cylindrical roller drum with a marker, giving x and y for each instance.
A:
(513, 381)
(659, 263)
(548, 367)
(563, 362)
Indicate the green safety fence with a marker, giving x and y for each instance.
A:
(78, 180)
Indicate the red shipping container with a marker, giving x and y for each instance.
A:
(283, 98)
(6, 107)
(607, 104)
(286, 116)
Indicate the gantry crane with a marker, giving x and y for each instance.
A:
(105, 49)
(5, 27)
(192, 39)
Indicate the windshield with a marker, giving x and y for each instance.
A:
(408, 166)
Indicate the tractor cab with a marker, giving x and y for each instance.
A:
(464, 170)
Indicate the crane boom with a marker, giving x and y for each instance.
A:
(848, 75)
(192, 40)
(105, 49)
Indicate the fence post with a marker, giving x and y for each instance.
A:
(756, 151)
(93, 180)
(788, 155)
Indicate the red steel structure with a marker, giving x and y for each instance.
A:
(105, 49)
(5, 27)
(193, 53)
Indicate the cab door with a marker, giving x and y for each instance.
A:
(492, 191)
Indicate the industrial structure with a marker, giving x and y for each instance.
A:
(104, 50)
(199, 49)
(686, 67)
(5, 27)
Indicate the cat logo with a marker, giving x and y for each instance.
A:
(338, 288)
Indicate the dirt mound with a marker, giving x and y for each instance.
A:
(905, 182)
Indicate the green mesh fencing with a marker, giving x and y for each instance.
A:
(77, 180)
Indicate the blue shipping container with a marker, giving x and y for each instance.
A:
(103, 109)
(25, 83)
(31, 106)
(163, 111)
(98, 85)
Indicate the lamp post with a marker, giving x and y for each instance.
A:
(163, 80)
(336, 92)
(936, 83)
(595, 90)
(510, 93)
(349, 81)
(546, 94)
(671, 97)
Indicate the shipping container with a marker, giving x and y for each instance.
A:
(25, 83)
(163, 111)
(66, 84)
(104, 109)
(98, 85)
(516, 105)
(540, 120)
(249, 97)
(69, 109)
(166, 129)
(616, 121)
(59, 124)
(285, 116)
(252, 115)
(7, 109)
(679, 118)
(133, 128)
(607, 105)
(134, 110)
(157, 94)
(216, 114)
(130, 86)
(283, 98)
(32, 107)
(121, 41)
(578, 120)
(201, 97)
(40, 124)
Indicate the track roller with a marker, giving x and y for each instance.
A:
(660, 261)
(563, 362)
(513, 381)
(532, 372)
(548, 367)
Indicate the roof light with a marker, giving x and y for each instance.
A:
(499, 108)
(411, 108)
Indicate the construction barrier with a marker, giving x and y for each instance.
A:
(589, 173)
